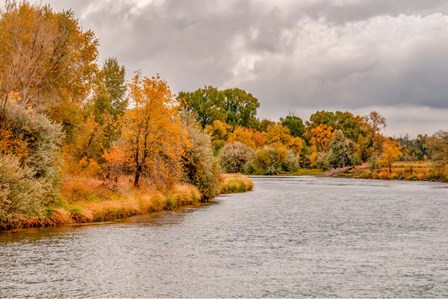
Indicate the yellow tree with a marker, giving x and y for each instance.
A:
(320, 138)
(46, 58)
(390, 153)
(152, 132)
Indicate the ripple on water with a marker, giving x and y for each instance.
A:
(290, 237)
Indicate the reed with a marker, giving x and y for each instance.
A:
(234, 183)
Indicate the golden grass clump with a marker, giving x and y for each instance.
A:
(234, 183)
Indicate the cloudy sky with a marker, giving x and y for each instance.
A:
(294, 56)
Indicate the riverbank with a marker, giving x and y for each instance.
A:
(407, 171)
(88, 200)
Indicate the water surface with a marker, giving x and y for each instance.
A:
(290, 237)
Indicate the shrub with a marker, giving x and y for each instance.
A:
(292, 162)
(42, 137)
(21, 193)
(235, 156)
(199, 166)
(39, 159)
(269, 160)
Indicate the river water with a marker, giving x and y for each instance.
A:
(290, 237)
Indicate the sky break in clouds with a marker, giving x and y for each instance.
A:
(294, 56)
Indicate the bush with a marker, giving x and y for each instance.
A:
(235, 156)
(21, 193)
(269, 160)
(292, 163)
(199, 166)
(42, 137)
(40, 156)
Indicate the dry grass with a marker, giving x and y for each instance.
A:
(405, 170)
(86, 199)
(234, 183)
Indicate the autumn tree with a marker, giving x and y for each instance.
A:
(152, 132)
(199, 167)
(46, 58)
(390, 153)
(342, 150)
(218, 132)
(438, 148)
(247, 136)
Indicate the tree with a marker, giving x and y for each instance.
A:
(113, 77)
(199, 166)
(208, 104)
(342, 150)
(235, 156)
(438, 148)
(46, 58)
(390, 153)
(247, 136)
(154, 138)
(218, 132)
(294, 124)
(320, 138)
(241, 107)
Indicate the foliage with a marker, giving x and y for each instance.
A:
(241, 107)
(207, 103)
(270, 160)
(153, 136)
(233, 106)
(438, 147)
(294, 124)
(218, 132)
(342, 150)
(21, 193)
(28, 163)
(235, 156)
(247, 136)
(390, 153)
(199, 166)
(41, 137)
(46, 58)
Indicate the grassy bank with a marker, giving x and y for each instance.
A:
(234, 183)
(409, 171)
(87, 200)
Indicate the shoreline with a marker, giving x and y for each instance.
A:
(95, 204)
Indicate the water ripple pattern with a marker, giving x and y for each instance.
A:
(290, 237)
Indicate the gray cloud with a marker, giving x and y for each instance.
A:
(293, 55)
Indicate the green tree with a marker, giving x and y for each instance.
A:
(241, 107)
(207, 103)
(294, 124)
(113, 77)
(342, 150)
(438, 148)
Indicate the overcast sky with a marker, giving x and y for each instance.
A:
(298, 56)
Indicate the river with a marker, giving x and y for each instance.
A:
(290, 237)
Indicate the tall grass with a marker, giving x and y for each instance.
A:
(234, 183)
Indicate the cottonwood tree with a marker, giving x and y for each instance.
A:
(154, 138)
(46, 58)
(390, 153)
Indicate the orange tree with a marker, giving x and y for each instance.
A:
(153, 136)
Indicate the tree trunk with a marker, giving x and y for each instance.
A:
(138, 172)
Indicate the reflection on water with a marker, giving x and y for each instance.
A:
(291, 237)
